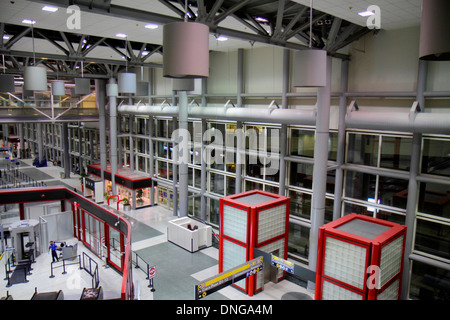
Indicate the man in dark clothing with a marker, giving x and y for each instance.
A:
(53, 249)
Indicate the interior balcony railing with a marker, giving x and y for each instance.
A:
(14, 107)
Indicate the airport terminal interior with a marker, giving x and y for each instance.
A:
(225, 150)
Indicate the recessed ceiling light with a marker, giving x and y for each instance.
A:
(221, 38)
(121, 35)
(261, 19)
(366, 13)
(151, 26)
(28, 21)
(50, 8)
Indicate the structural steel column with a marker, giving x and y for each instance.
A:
(414, 171)
(283, 130)
(338, 187)
(100, 95)
(240, 156)
(183, 156)
(40, 143)
(174, 168)
(320, 165)
(203, 174)
(151, 160)
(113, 136)
(66, 150)
(240, 77)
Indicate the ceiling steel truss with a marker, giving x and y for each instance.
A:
(282, 23)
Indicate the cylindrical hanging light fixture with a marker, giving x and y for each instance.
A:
(82, 86)
(58, 88)
(7, 83)
(35, 78)
(186, 50)
(435, 31)
(126, 82)
(310, 65)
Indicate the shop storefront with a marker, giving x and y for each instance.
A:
(134, 186)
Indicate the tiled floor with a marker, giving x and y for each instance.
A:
(177, 269)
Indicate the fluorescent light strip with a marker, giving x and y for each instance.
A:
(151, 26)
(121, 35)
(221, 38)
(28, 21)
(366, 13)
(50, 8)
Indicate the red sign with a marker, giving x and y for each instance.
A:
(152, 272)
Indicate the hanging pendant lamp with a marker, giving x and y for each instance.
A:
(435, 31)
(126, 82)
(35, 78)
(186, 50)
(310, 65)
(58, 88)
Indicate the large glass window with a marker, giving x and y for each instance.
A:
(433, 237)
(302, 143)
(298, 244)
(362, 149)
(436, 156)
(434, 199)
(300, 174)
(429, 282)
(395, 152)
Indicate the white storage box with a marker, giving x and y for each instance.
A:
(189, 234)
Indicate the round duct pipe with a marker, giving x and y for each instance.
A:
(435, 31)
(186, 50)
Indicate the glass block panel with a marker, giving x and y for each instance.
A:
(334, 292)
(271, 223)
(390, 293)
(235, 223)
(345, 262)
(390, 261)
(233, 255)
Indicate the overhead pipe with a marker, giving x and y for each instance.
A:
(412, 122)
(265, 115)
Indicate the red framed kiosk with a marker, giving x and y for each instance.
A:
(252, 220)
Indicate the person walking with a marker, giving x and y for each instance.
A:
(53, 249)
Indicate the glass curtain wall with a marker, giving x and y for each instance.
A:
(376, 178)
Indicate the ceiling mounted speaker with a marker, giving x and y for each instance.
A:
(7, 83)
(186, 50)
(309, 68)
(35, 78)
(126, 82)
(183, 84)
(435, 30)
(58, 88)
(142, 88)
(82, 86)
